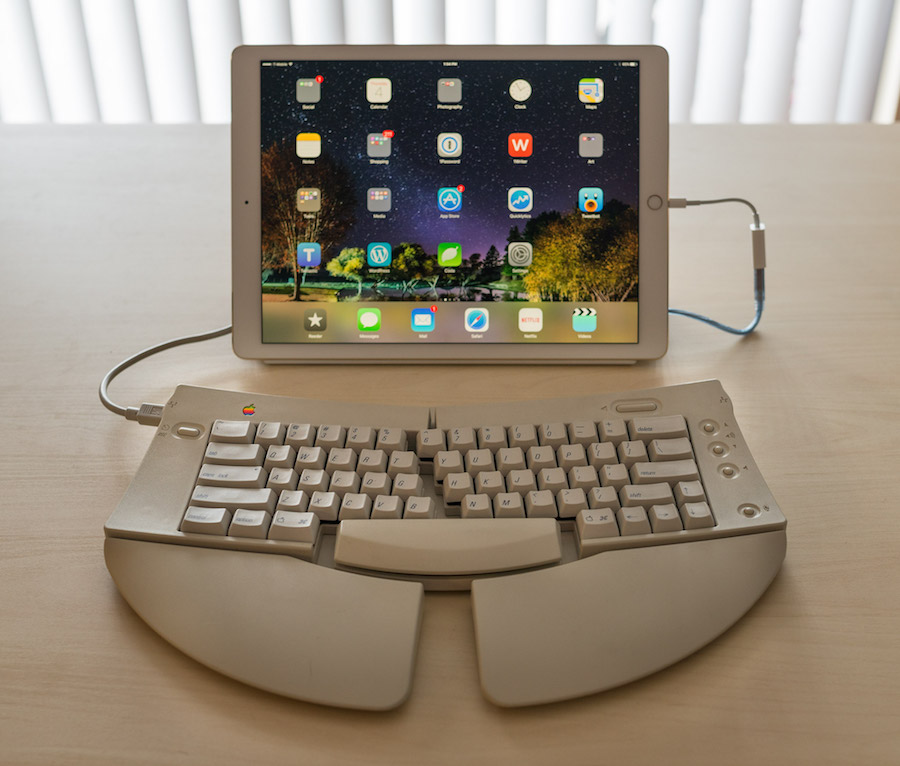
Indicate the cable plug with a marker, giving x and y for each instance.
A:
(146, 414)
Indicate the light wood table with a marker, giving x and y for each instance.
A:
(114, 238)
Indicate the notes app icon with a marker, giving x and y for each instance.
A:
(309, 145)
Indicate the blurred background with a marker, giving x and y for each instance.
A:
(167, 61)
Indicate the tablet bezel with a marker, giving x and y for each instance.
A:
(652, 232)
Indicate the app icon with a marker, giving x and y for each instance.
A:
(520, 90)
(590, 145)
(309, 254)
(309, 145)
(378, 254)
(519, 254)
(368, 320)
(520, 144)
(378, 145)
(477, 320)
(308, 200)
(449, 90)
(309, 90)
(422, 320)
(449, 254)
(449, 144)
(590, 199)
(315, 320)
(584, 320)
(379, 200)
(449, 199)
(378, 90)
(519, 199)
(590, 90)
(531, 320)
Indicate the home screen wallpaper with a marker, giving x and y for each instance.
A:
(449, 201)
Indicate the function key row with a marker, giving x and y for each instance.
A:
(429, 442)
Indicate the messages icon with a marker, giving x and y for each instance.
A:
(368, 320)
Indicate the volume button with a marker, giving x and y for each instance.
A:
(636, 405)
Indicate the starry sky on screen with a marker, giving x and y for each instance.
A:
(553, 115)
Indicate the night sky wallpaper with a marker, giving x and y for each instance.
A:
(600, 264)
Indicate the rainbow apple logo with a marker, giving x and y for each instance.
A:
(249, 410)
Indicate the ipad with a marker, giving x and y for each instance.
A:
(450, 203)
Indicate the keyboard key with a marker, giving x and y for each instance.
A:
(232, 499)
(402, 461)
(540, 503)
(601, 454)
(492, 437)
(374, 460)
(697, 516)
(689, 492)
(553, 479)
(387, 507)
(419, 508)
(569, 502)
(343, 482)
(457, 486)
(645, 495)
(658, 427)
(570, 455)
(268, 434)
(313, 480)
(331, 437)
(615, 475)
(670, 471)
(603, 497)
(232, 431)
(583, 477)
(510, 459)
(355, 506)
(461, 439)
(490, 483)
(293, 500)
(583, 432)
(476, 507)
(360, 438)
(310, 457)
(509, 505)
(478, 460)
(390, 439)
(282, 478)
(299, 527)
(253, 524)
(408, 485)
(206, 521)
(374, 484)
(300, 435)
(340, 459)
(325, 505)
(429, 442)
(522, 482)
(633, 521)
(540, 457)
(664, 518)
(596, 523)
(670, 449)
(282, 456)
(553, 434)
(219, 453)
(232, 476)
(613, 431)
(630, 452)
(449, 461)
(523, 436)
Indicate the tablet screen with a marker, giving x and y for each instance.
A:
(449, 201)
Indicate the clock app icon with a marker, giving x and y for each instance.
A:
(520, 90)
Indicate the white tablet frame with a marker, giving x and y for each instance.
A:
(653, 220)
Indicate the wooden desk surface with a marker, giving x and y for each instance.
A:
(114, 238)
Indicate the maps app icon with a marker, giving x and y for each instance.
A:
(590, 90)
(449, 199)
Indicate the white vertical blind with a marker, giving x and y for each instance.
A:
(724, 26)
(317, 23)
(23, 96)
(62, 43)
(265, 22)
(729, 60)
(215, 31)
(521, 22)
(774, 26)
(368, 22)
(118, 66)
(820, 58)
(470, 22)
(419, 22)
(866, 40)
(572, 22)
(676, 27)
(165, 33)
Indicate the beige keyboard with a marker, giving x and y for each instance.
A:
(562, 506)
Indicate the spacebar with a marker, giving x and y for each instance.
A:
(447, 546)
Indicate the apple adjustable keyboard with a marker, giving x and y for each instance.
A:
(602, 538)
